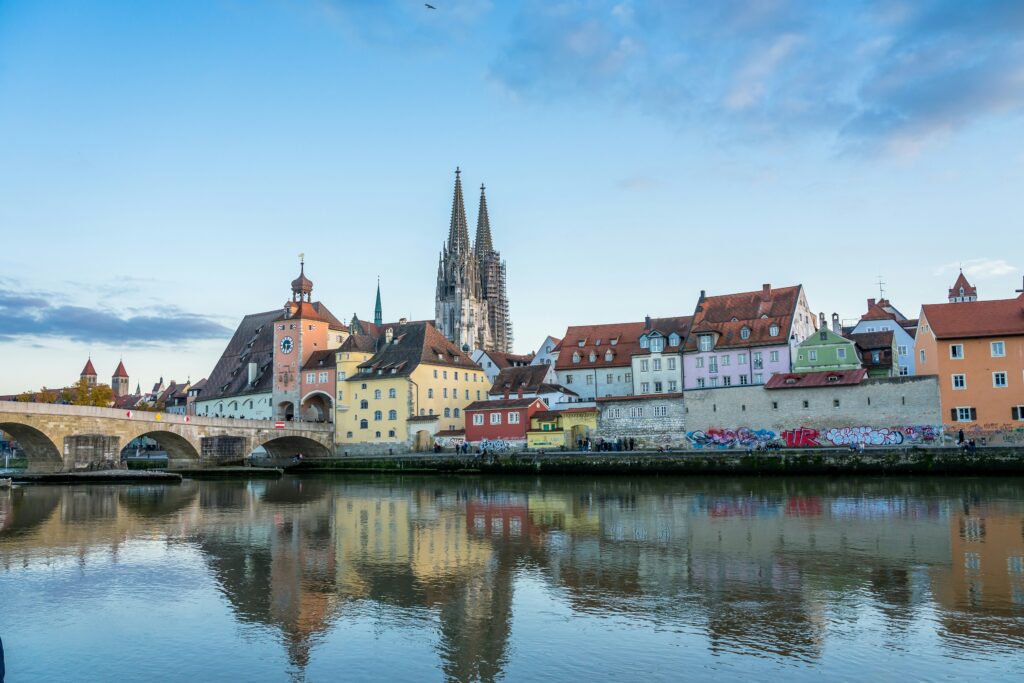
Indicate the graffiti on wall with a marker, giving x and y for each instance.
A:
(499, 445)
(808, 437)
(449, 441)
(730, 438)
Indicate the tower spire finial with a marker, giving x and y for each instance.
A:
(378, 314)
(458, 232)
(484, 245)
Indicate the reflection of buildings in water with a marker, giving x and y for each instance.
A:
(984, 583)
(443, 547)
(563, 512)
(501, 517)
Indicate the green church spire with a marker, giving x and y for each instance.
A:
(378, 315)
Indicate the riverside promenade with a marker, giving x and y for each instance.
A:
(788, 462)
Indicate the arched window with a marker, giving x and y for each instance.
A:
(608, 356)
(392, 414)
(430, 393)
(593, 356)
(378, 435)
(364, 424)
(391, 433)
(376, 394)
(575, 357)
(378, 415)
(745, 332)
(456, 412)
(364, 404)
(392, 393)
(447, 412)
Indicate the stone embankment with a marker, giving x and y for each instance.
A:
(98, 477)
(784, 462)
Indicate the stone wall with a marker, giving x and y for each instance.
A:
(889, 411)
(617, 419)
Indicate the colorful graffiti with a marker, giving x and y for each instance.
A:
(730, 438)
(449, 441)
(500, 445)
(804, 437)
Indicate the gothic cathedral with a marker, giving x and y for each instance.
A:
(471, 306)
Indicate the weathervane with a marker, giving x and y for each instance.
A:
(881, 291)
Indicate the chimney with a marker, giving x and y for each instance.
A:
(703, 295)
(766, 292)
(836, 327)
(519, 393)
(253, 370)
(871, 302)
(402, 321)
(647, 322)
(506, 392)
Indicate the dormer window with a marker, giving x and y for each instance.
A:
(745, 332)
(791, 380)
(674, 340)
(705, 342)
(773, 330)
(657, 344)
(833, 378)
(597, 343)
(575, 357)
(961, 291)
(644, 343)
(593, 356)
(614, 341)
(581, 343)
(608, 355)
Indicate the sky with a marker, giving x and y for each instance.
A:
(162, 164)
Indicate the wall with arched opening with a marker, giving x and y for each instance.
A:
(282, 449)
(318, 406)
(42, 453)
(180, 451)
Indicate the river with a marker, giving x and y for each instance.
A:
(420, 578)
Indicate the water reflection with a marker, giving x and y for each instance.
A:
(763, 569)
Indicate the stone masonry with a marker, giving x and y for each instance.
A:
(653, 421)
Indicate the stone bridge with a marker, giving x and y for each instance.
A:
(59, 438)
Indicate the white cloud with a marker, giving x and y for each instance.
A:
(980, 268)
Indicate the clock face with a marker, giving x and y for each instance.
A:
(286, 345)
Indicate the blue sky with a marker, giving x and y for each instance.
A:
(163, 163)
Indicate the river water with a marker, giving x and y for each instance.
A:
(414, 578)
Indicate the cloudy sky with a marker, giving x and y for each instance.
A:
(163, 163)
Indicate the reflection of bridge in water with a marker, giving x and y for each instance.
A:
(65, 438)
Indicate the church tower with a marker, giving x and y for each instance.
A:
(119, 381)
(378, 312)
(962, 290)
(89, 373)
(471, 306)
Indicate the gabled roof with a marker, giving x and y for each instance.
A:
(502, 403)
(312, 311)
(529, 378)
(679, 325)
(120, 371)
(826, 378)
(599, 339)
(88, 369)
(319, 360)
(961, 281)
(1002, 317)
(726, 315)
(253, 341)
(504, 360)
(359, 343)
(870, 341)
(413, 343)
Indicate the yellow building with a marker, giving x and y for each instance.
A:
(398, 388)
(551, 429)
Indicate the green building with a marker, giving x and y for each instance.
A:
(826, 350)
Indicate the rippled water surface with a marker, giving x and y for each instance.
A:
(518, 579)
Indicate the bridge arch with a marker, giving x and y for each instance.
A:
(179, 449)
(41, 452)
(286, 447)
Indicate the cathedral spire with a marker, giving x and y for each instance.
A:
(483, 245)
(378, 314)
(458, 233)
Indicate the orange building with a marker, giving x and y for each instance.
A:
(977, 350)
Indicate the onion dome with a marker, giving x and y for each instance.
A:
(302, 286)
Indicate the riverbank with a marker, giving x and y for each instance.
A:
(785, 462)
(100, 477)
(236, 472)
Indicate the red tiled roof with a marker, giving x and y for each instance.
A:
(507, 360)
(120, 372)
(313, 311)
(1002, 317)
(414, 343)
(627, 343)
(872, 340)
(451, 432)
(726, 315)
(578, 410)
(961, 281)
(529, 378)
(502, 403)
(326, 358)
(803, 380)
(88, 369)
(638, 397)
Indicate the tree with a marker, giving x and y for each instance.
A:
(46, 396)
(26, 397)
(101, 395)
(81, 393)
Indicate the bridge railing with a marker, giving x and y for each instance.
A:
(28, 408)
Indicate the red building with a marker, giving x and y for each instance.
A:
(501, 422)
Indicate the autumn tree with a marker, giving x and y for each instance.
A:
(26, 397)
(93, 395)
(46, 396)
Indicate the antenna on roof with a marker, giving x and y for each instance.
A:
(881, 288)
(1021, 290)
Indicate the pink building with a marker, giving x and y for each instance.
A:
(740, 339)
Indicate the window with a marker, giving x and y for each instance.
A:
(455, 412)
(758, 378)
(348, 435)
(714, 381)
(364, 404)
(456, 374)
(775, 405)
(376, 393)
(1017, 412)
(430, 393)
(609, 378)
(392, 393)
(959, 381)
(964, 414)
(741, 359)
(743, 379)
(478, 419)
(704, 342)
(674, 339)
(922, 355)
(323, 377)
(644, 343)
(841, 354)
(364, 424)
(341, 394)
(774, 356)
(391, 433)
(581, 343)
(812, 355)
(657, 387)
(904, 371)
(835, 403)
(725, 360)
(592, 357)
(713, 364)
(568, 379)
(823, 336)
(447, 412)
(629, 376)
(998, 349)
(636, 412)
(575, 357)
(745, 332)
(876, 356)
(660, 411)
(673, 385)
(377, 434)
(901, 350)
(392, 414)
(657, 345)
(807, 404)
(613, 412)
(956, 351)
(466, 394)
(671, 363)
(999, 380)
(495, 418)
(758, 362)
(644, 366)
(700, 362)
(310, 377)
(773, 330)
(444, 392)
(444, 374)
(590, 379)
(513, 418)
(645, 387)
(608, 356)
(435, 374)
(727, 381)
(656, 364)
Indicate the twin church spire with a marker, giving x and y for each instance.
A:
(471, 305)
